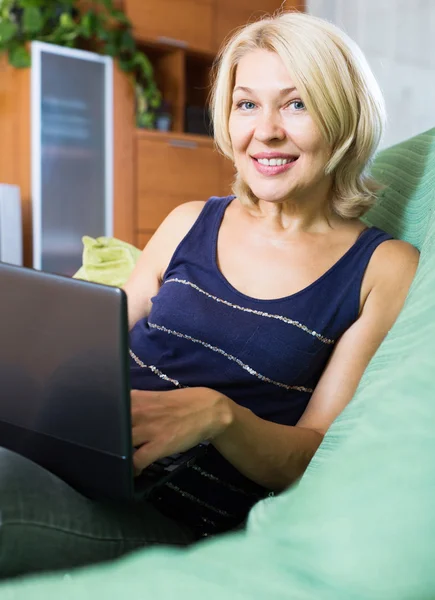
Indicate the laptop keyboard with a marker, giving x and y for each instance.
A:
(160, 471)
(163, 465)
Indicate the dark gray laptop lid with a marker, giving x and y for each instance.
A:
(64, 359)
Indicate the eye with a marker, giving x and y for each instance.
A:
(246, 105)
(297, 105)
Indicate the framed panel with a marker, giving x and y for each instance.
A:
(72, 153)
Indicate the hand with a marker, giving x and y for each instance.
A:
(174, 421)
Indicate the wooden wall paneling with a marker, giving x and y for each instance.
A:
(231, 15)
(294, 5)
(142, 238)
(24, 162)
(178, 22)
(15, 142)
(123, 156)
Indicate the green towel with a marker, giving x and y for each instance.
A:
(107, 260)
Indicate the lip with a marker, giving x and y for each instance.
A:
(270, 171)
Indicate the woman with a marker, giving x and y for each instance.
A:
(254, 316)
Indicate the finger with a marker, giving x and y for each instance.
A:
(137, 405)
(145, 455)
(139, 436)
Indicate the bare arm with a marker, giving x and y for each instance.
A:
(146, 278)
(276, 455)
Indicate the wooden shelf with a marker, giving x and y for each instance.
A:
(165, 44)
(153, 134)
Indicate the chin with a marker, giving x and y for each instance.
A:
(271, 195)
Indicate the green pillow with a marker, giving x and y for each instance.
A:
(405, 205)
(107, 260)
(361, 524)
(405, 209)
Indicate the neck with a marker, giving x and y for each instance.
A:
(307, 212)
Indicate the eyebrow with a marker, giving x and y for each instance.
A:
(283, 92)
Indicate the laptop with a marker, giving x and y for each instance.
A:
(64, 384)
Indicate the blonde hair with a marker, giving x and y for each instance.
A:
(337, 86)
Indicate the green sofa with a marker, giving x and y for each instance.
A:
(361, 522)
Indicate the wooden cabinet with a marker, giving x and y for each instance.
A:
(171, 170)
(184, 23)
(231, 14)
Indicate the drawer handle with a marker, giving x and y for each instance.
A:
(172, 41)
(183, 144)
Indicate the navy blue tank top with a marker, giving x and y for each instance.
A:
(266, 355)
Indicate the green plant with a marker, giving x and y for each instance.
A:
(61, 22)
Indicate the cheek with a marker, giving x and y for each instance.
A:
(306, 135)
(240, 133)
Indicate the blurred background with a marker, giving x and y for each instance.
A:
(104, 126)
(398, 39)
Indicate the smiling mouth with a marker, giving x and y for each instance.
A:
(275, 162)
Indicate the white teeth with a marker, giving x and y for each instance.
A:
(275, 162)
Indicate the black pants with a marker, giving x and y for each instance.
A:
(47, 525)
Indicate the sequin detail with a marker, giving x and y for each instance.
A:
(208, 522)
(250, 370)
(219, 511)
(260, 313)
(233, 488)
(154, 369)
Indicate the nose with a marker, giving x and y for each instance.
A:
(269, 126)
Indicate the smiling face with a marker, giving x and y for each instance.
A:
(279, 151)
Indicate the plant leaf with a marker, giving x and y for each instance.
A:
(19, 57)
(88, 24)
(145, 120)
(30, 3)
(110, 49)
(32, 19)
(121, 17)
(143, 63)
(7, 31)
(66, 21)
(126, 65)
(127, 41)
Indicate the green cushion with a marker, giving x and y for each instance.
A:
(405, 209)
(361, 523)
(405, 205)
(107, 260)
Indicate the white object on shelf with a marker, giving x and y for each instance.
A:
(11, 236)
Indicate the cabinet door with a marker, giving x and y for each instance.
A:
(170, 172)
(230, 14)
(185, 23)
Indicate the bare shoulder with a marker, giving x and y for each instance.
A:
(390, 274)
(184, 215)
(176, 225)
(160, 248)
(394, 258)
